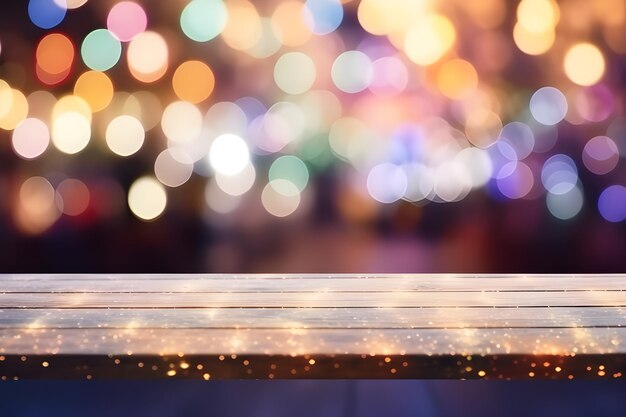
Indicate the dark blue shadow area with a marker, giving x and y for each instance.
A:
(311, 398)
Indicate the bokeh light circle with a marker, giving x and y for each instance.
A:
(47, 13)
(96, 88)
(74, 196)
(125, 135)
(203, 20)
(584, 64)
(126, 20)
(101, 50)
(173, 167)
(548, 106)
(559, 174)
(193, 81)
(54, 58)
(17, 109)
(280, 198)
(612, 203)
(601, 155)
(429, 38)
(290, 168)
(181, 122)
(148, 56)
(325, 15)
(147, 198)
(515, 180)
(71, 132)
(30, 138)
(229, 154)
(566, 205)
(294, 73)
(387, 183)
(36, 209)
(352, 72)
(238, 184)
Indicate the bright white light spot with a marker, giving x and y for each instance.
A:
(71, 132)
(229, 154)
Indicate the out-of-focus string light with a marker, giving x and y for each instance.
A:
(54, 58)
(203, 20)
(36, 210)
(238, 184)
(290, 22)
(559, 174)
(243, 28)
(457, 79)
(96, 88)
(193, 81)
(584, 64)
(181, 122)
(294, 73)
(612, 203)
(71, 132)
(229, 154)
(125, 135)
(352, 72)
(538, 16)
(147, 198)
(387, 183)
(31, 138)
(72, 4)
(600, 155)
(290, 168)
(548, 106)
(72, 103)
(173, 167)
(565, 205)
(533, 43)
(429, 39)
(515, 180)
(73, 197)
(126, 20)
(325, 15)
(101, 50)
(16, 107)
(596, 103)
(148, 56)
(390, 76)
(6, 98)
(47, 13)
(280, 197)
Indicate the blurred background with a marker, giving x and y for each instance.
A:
(312, 136)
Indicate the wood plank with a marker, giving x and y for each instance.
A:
(300, 341)
(320, 299)
(319, 318)
(313, 285)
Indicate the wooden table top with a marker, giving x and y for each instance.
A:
(312, 326)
